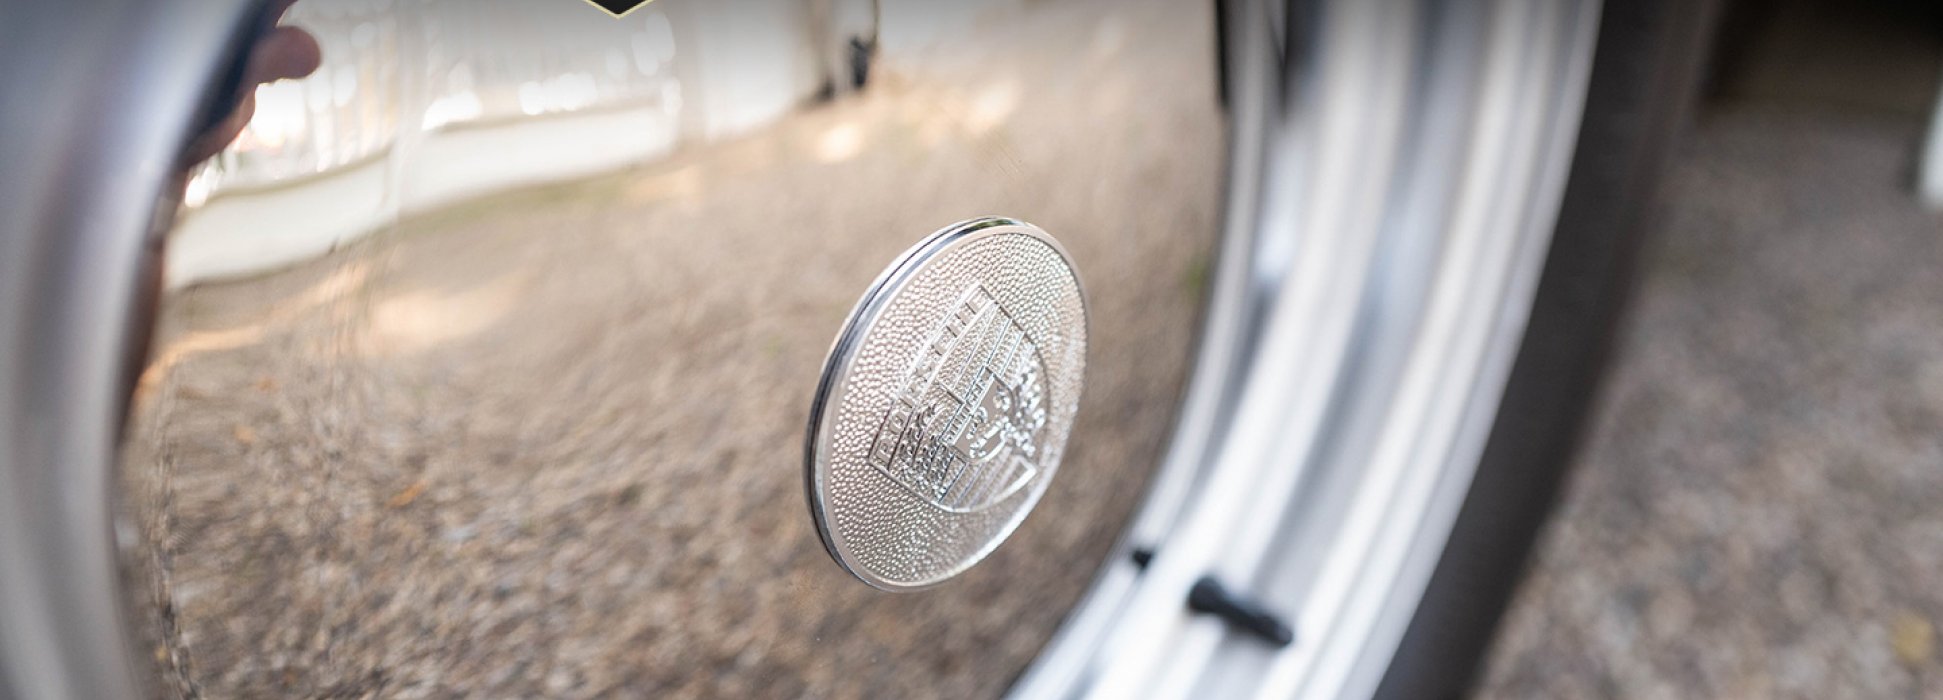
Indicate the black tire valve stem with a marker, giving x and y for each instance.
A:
(1209, 596)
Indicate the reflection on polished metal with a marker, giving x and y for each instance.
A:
(945, 403)
(472, 378)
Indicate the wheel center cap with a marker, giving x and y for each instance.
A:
(945, 404)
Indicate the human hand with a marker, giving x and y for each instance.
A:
(278, 54)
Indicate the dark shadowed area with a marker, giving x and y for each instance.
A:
(1758, 511)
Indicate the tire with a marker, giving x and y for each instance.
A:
(1643, 82)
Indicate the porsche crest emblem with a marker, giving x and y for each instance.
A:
(946, 402)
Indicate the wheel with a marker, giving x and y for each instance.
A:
(1431, 217)
(479, 364)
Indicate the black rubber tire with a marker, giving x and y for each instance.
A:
(1643, 83)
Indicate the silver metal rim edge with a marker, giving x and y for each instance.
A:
(1113, 643)
(71, 250)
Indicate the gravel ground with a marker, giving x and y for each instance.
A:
(1759, 509)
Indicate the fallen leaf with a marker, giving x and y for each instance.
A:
(243, 434)
(405, 497)
(1913, 637)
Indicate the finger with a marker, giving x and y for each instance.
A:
(283, 52)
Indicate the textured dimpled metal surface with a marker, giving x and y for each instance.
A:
(946, 401)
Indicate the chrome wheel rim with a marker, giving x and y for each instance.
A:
(1395, 174)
